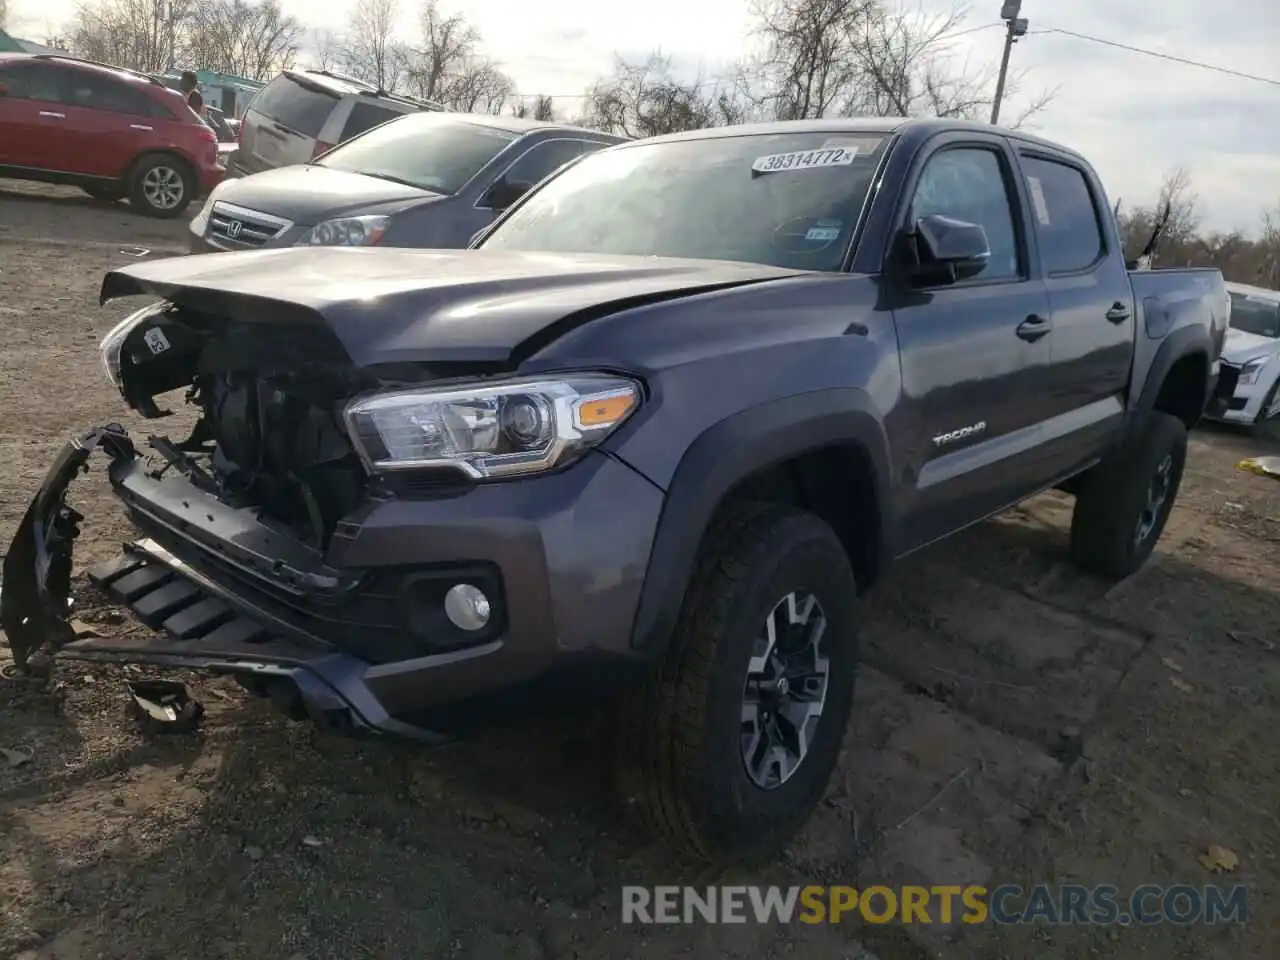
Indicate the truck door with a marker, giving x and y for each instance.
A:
(973, 353)
(1090, 304)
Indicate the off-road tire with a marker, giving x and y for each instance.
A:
(680, 766)
(154, 163)
(1112, 496)
(108, 193)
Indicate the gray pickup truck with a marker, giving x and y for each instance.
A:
(648, 441)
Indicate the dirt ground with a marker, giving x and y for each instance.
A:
(1016, 722)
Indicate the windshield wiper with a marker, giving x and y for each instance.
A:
(400, 180)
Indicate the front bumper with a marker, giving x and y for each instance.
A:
(355, 633)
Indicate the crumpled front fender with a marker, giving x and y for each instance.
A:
(37, 567)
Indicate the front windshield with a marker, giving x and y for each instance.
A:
(1250, 315)
(789, 200)
(424, 150)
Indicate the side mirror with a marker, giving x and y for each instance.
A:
(949, 250)
(504, 193)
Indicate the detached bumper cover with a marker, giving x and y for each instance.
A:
(227, 592)
(37, 568)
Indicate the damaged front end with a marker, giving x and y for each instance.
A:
(37, 568)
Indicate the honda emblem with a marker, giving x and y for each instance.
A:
(233, 229)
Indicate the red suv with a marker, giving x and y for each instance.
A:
(114, 133)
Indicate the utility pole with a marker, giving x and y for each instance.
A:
(1017, 27)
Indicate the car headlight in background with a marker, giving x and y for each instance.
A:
(514, 428)
(111, 345)
(345, 232)
(1249, 371)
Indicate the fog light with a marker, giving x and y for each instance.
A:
(466, 606)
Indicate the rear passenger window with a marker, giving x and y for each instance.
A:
(300, 108)
(1065, 215)
(968, 183)
(542, 160)
(365, 116)
(36, 81)
(98, 93)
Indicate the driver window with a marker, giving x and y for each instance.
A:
(968, 183)
(543, 160)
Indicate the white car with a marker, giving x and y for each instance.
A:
(1251, 354)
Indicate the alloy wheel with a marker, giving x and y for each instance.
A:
(785, 690)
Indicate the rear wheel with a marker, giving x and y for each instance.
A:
(161, 186)
(1123, 503)
(728, 749)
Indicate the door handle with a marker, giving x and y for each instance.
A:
(1033, 328)
(50, 113)
(140, 126)
(1118, 313)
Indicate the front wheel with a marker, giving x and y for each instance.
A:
(728, 749)
(160, 187)
(1123, 503)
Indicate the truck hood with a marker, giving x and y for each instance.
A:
(399, 305)
(308, 194)
(1241, 347)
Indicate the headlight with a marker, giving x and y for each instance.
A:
(1249, 372)
(109, 349)
(345, 232)
(513, 428)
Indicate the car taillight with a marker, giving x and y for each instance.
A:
(205, 132)
(321, 147)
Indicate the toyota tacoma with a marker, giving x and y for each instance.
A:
(649, 439)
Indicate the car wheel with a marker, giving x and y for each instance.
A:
(104, 194)
(728, 748)
(1124, 502)
(1267, 425)
(160, 186)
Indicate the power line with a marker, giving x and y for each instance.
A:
(1162, 56)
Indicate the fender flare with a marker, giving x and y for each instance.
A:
(728, 452)
(1181, 343)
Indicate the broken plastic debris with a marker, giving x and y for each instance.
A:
(83, 629)
(310, 841)
(16, 757)
(1181, 684)
(134, 251)
(165, 705)
(1219, 859)
(1171, 664)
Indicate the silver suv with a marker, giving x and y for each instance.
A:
(302, 113)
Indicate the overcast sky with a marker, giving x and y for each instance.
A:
(1135, 117)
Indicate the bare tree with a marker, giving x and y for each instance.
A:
(541, 108)
(327, 49)
(449, 68)
(645, 100)
(250, 40)
(372, 52)
(866, 57)
(4, 13)
(138, 34)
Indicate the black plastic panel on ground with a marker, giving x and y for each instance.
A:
(188, 622)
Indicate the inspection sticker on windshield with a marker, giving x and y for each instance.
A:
(805, 159)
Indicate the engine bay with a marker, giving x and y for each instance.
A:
(270, 433)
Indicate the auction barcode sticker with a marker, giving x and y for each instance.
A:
(805, 159)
